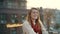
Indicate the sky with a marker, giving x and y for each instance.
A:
(55, 4)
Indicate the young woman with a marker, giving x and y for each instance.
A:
(33, 24)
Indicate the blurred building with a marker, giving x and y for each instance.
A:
(51, 20)
(57, 20)
(11, 12)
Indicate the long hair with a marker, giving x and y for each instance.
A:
(28, 18)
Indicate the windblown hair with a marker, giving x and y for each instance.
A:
(28, 18)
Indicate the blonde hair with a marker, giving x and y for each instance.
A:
(28, 18)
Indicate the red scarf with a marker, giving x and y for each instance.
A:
(36, 28)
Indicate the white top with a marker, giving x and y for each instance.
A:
(27, 29)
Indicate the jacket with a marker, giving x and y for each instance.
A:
(27, 29)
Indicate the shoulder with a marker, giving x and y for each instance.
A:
(25, 22)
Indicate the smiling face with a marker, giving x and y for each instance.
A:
(34, 14)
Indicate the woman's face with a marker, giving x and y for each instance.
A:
(34, 14)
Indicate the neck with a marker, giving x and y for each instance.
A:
(33, 20)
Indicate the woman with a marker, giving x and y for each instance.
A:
(33, 24)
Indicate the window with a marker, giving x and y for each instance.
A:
(3, 18)
(14, 18)
(1, 3)
(3, 29)
(1, 0)
(22, 4)
(14, 31)
(15, 4)
(9, 5)
(12, 4)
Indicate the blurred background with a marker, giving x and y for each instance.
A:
(13, 12)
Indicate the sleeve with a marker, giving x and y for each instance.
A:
(27, 28)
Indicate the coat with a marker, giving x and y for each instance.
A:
(27, 29)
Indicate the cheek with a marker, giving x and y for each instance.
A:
(34, 16)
